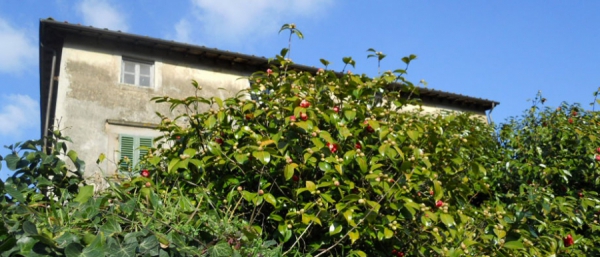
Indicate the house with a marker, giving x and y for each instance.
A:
(96, 84)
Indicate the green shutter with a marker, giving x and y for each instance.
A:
(127, 145)
(145, 143)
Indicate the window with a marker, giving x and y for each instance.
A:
(134, 148)
(135, 72)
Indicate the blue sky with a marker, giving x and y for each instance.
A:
(500, 50)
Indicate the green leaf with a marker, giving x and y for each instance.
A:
(388, 233)
(325, 135)
(85, 193)
(414, 135)
(447, 219)
(101, 158)
(262, 156)
(269, 198)
(514, 245)
(354, 235)
(29, 228)
(14, 193)
(11, 161)
(349, 114)
(335, 228)
(222, 249)
(438, 191)
(72, 155)
(289, 170)
(311, 186)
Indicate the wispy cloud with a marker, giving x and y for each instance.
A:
(182, 31)
(18, 113)
(100, 13)
(17, 50)
(239, 21)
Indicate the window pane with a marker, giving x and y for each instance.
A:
(144, 69)
(144, 81)
(129, 78)
(129, 66)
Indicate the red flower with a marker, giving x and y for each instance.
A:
(269, 72)
(332, 147)
(598, 158)
(358, 146)
(145, 173)
(219, 140)
(570, 121)
(295, 178)
(574, 113)
(303, 116)
(370, 129)
(400, 254)
(598, 150)
(336, 109)
(439, 203)
(304, 104)
(568, 240)
(292, 118)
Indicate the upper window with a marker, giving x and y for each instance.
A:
(135, 72)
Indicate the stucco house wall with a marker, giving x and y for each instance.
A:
(91, 94)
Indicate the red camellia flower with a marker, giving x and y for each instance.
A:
(304, 104)
(269, 71)
(370, 129)
(332, 147)
(439, 203)
(303, 116)
(295, 178)
(570, 121)
(145, 173)
(400, 254)
(574, 113)
(598, 150)
(598, 158)
(568, 240)
(336, 109)
(358, 146)
(219, 140)
(292, 118)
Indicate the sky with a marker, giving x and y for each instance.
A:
(504, 51)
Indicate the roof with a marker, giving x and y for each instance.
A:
(53, 33)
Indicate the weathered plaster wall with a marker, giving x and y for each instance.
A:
(90, 93)
(438, 108)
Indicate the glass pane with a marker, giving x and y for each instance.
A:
(145, 81)
(129, 78)
(145, 69)
(129, 66)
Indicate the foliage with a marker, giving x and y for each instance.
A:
(319, 164)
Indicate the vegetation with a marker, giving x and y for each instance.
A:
(323, 164)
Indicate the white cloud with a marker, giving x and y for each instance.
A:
(17, 113)
(17, 50)
(234, 21)
(182, 31)
(101, 14)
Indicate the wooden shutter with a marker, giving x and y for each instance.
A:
(127, 145)
(145, 143)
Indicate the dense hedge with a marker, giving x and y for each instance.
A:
(324, 164)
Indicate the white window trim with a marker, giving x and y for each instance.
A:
(137, 63)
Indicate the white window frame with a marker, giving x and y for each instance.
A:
(136, 74)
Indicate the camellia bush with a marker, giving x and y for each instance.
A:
(319, 163)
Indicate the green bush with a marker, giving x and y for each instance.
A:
(320, 164)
